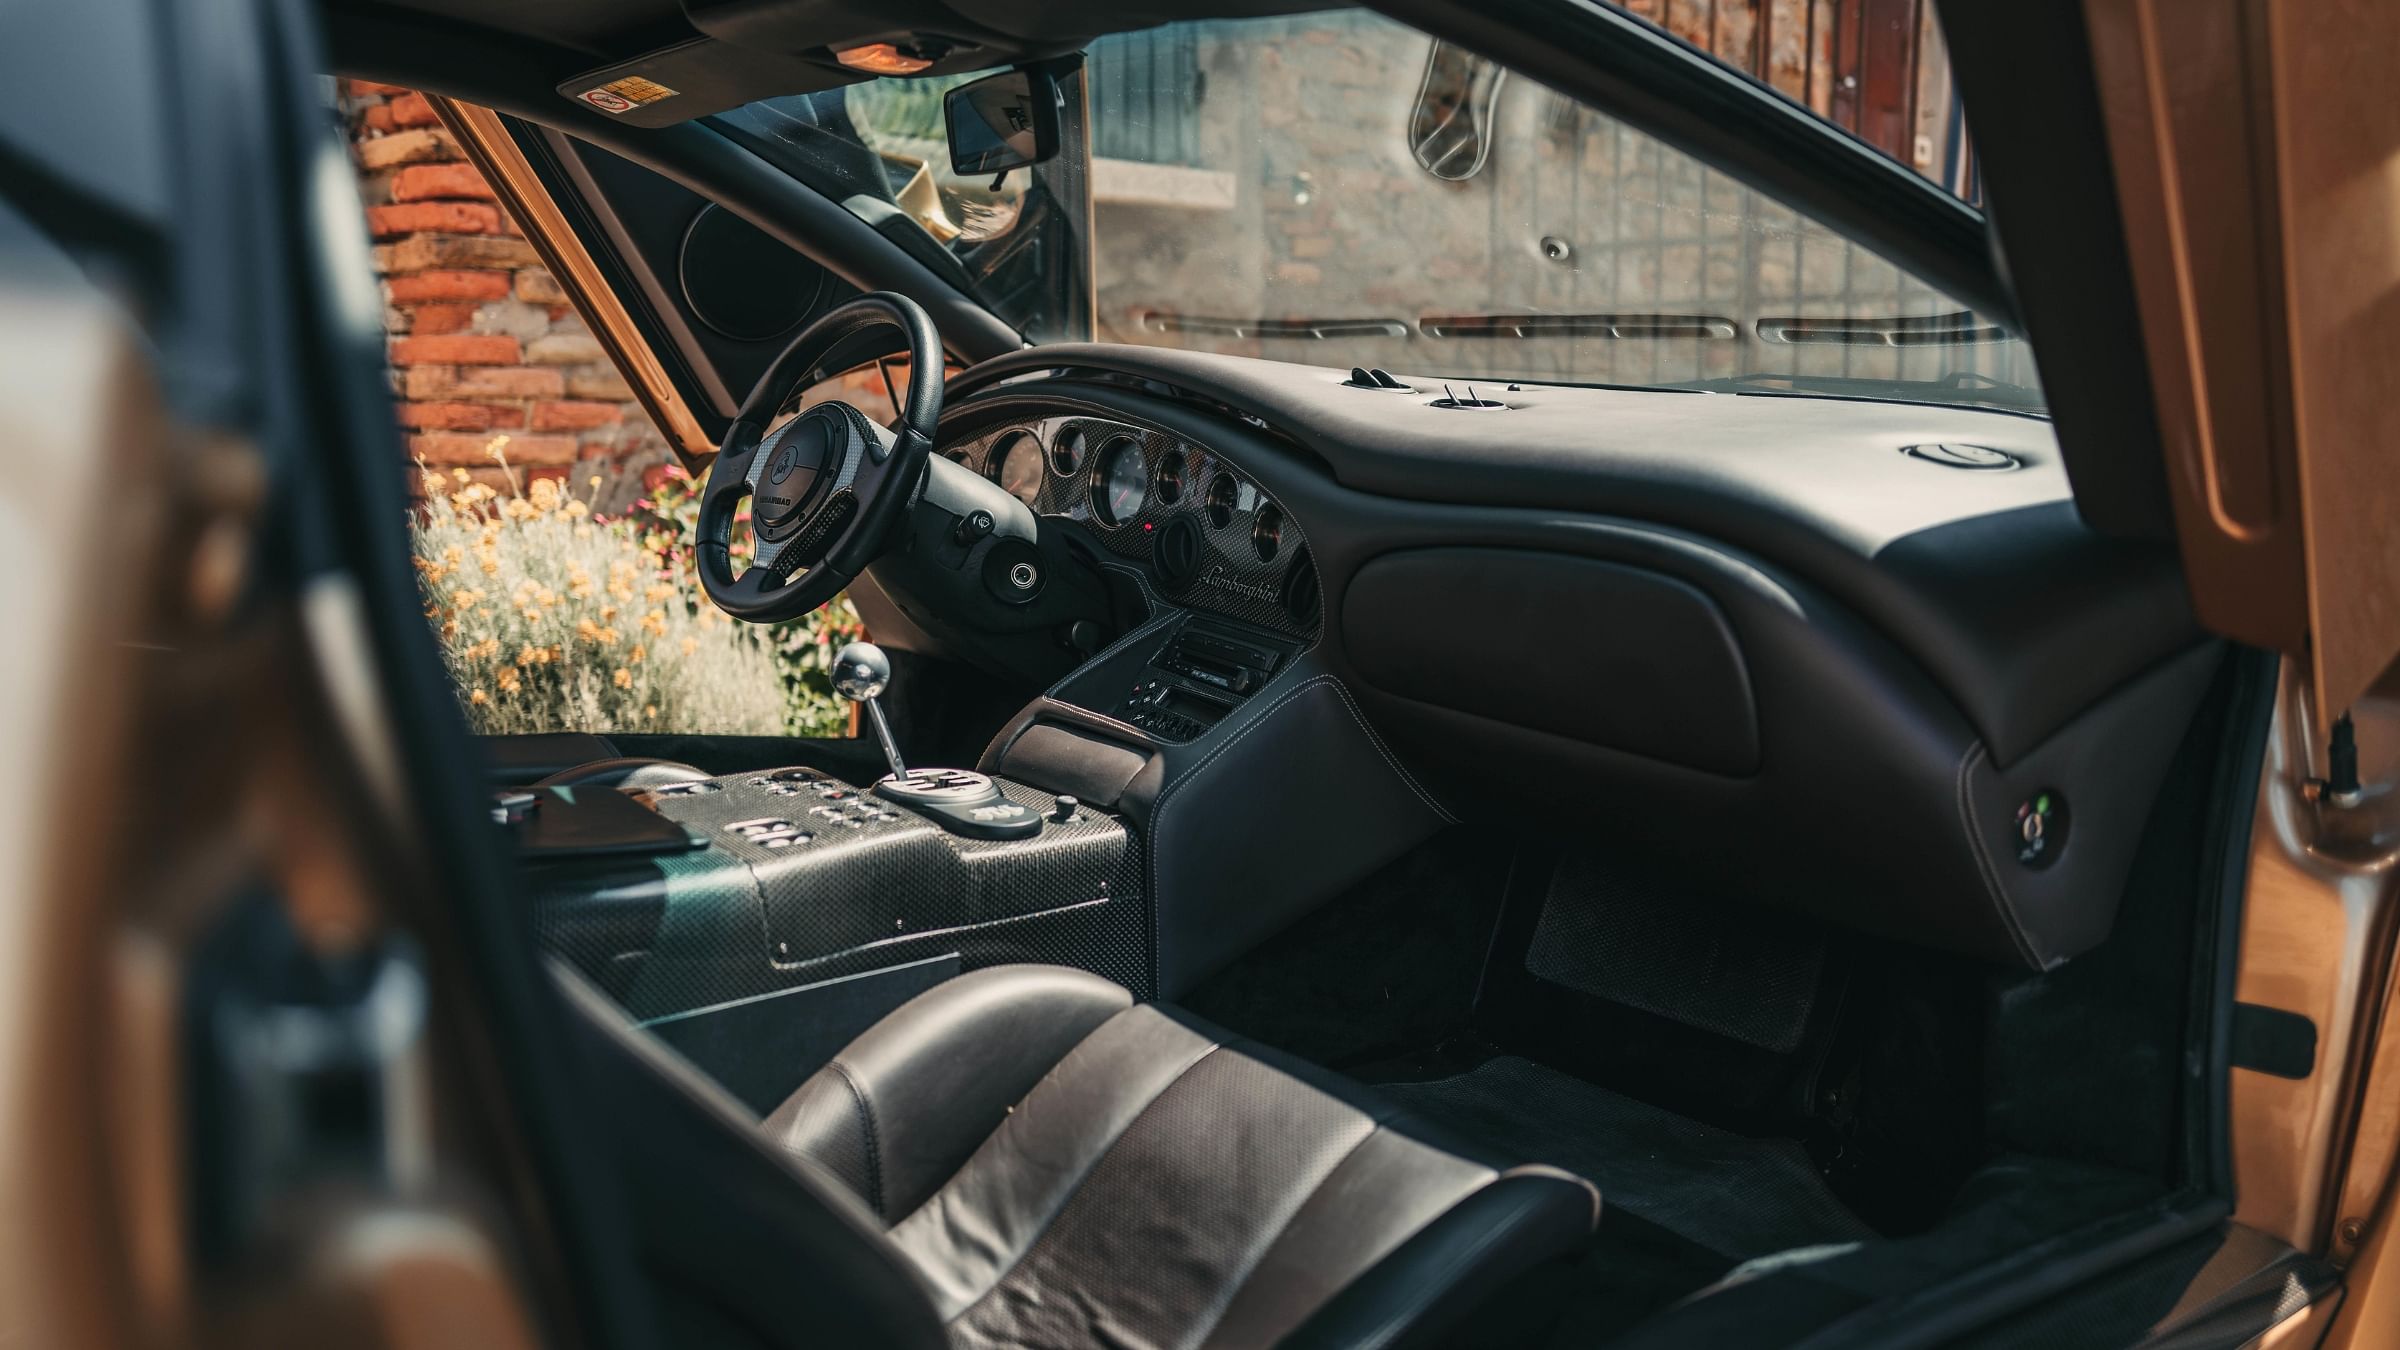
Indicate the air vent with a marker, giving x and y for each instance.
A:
(1374, 377)
(1471, 401)
(1955, 455)
(1178, 553)
(1300, 590)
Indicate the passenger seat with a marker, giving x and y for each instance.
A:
(1023, 1157)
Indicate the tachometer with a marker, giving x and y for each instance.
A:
(1124, 483)
(1266, 533)
(1019, 469)
(1067, 453)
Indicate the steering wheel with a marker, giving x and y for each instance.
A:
(827, 488)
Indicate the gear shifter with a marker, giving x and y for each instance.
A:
(861, 672)
(960, 801)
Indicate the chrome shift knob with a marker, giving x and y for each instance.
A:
(861, 672)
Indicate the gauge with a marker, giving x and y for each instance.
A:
(1124, 483)
(1224, 495)
(1168, 484)
(1266, 532)
(1017, 468)
(1068, 452)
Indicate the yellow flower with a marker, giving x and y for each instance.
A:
(575, 509)
(624, 678)
(460, 474)
(509, 683)
(479, 698)
(637, 654)
(655, 623)
(531, 615)
(690, 645)
(587, 630)
(649, 712)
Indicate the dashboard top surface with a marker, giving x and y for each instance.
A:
(1987, 578)
(1836, 467)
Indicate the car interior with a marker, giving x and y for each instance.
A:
(1336, 856)
(1518, 979)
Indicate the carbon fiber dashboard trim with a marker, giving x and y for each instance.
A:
(821, 879)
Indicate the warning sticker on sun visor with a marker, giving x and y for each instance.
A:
(625, 95)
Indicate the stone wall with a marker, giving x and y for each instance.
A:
(488, 356)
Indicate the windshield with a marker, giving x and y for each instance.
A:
(1339, 189)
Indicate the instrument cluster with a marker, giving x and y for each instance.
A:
(1209, 536)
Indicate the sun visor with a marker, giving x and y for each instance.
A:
(695, 78)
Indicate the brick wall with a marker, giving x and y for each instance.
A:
(486, 351)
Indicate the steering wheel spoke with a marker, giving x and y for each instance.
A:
(825, 482)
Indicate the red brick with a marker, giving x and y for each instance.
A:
(377, 118)
(459, 416)
(480, 382)
(423, 182)
(453, 217)
(370, 89)
(460, 349)
(411, 110)
(449, 286)
(430, 320)
(420, 252)
(572, 416)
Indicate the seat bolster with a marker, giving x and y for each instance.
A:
(1419, 1293)
(899, 1110)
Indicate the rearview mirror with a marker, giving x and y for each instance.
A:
(1002, 122)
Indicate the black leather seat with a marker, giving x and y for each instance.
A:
(1022, 1157)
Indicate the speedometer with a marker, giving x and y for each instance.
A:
(1020, 467)
(1124, 482)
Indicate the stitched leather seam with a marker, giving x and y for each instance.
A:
(1389, 758)
(1983, 859)
(1042, 1229)
(866, 1120)
(1158, 811)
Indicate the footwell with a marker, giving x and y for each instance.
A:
(1734, 1196)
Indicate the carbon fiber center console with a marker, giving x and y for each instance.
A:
(806, 878)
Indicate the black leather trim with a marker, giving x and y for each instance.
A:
(1989, 580)
(1430, 1283)
(733, 1229)
(974, 1231)
(924, 1087)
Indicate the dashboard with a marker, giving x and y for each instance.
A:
(1202, 530)
(1822, 653)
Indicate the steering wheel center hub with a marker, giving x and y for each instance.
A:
(805, 454)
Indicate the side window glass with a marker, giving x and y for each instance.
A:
(553, 524)
(1877, 69)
